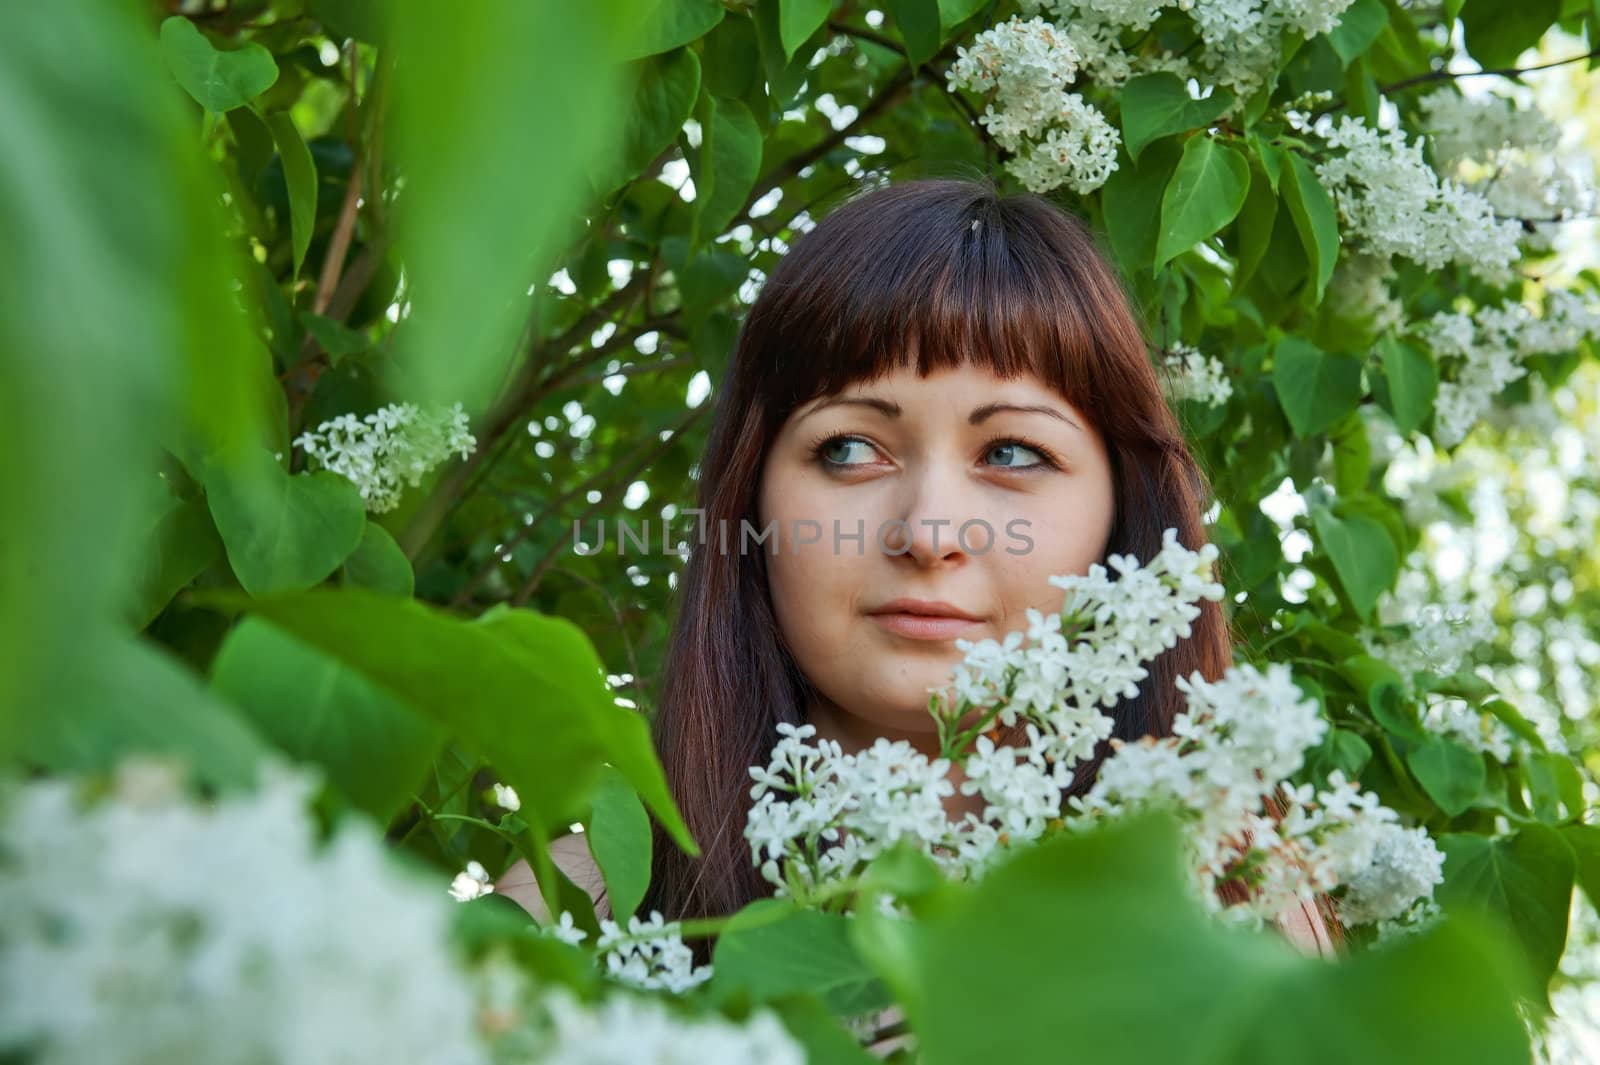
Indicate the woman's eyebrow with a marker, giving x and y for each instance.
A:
(889, 409)
(980, 413)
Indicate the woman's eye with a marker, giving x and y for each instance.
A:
(837, 451)
(1013, 455)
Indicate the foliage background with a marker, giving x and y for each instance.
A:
(227, 229)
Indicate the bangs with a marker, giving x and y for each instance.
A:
(935, 282)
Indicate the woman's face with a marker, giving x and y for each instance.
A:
(969, 491)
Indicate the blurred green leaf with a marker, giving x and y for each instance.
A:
(374, 748)
(183, 543)
(379, 564)
(1524, 880)
(1452, 775)
(619, 838)
(804, 951)
(335, 338)
(525, 687)
(985, 981)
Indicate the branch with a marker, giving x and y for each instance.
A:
(1503, 72)
(659, 446)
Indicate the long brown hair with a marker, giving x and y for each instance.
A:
(939, 272)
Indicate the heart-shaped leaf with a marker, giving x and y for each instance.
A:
(218, 80)
(283, 533)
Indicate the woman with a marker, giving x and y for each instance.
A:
(940, 398)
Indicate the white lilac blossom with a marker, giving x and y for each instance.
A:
(471, 883)
(1195, 376)
(1487, 347)
(529, 1023)
(394, 446)
(1394, 203)
(650, 955)
(1239, 738)
(1025, 69)
(1439, 639)
(505, 797)
(1405, 866)
(1474, 729)
(1359, 291)
(820, 815)
(1512, 155)
(1242, 38)
(143, 927)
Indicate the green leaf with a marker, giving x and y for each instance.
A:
(379, 564)
(1358, 27)
(669, 24)
(1352, 456)
(283, 533)
(805, 950)
(917, 23)
(1585, 843)
(1496, 32)
(374, 748)
(525, 688)
(784, 75)
(1315, 219)
(730, 159)
(1525, 881)
(618, 832)
(984, 980)
(1255, 224)
(1156, 105)
(1362, 553)
(798, 20)
(1316, 388)
(1204, 195)
(663, 100)
(953, 13)
(336, 338)
(141, 700)
(1452, 775)
(1555, 785)
(219, 81)
(300, 177)
(183, 543)
(1343, 750)
(1413, 382)
(1126, 198)
(504, 121)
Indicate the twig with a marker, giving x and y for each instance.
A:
(659, 446)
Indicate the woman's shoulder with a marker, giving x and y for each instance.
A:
(571, 855)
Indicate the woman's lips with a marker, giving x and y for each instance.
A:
(924, 626)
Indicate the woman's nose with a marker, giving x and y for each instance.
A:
(938, 522)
